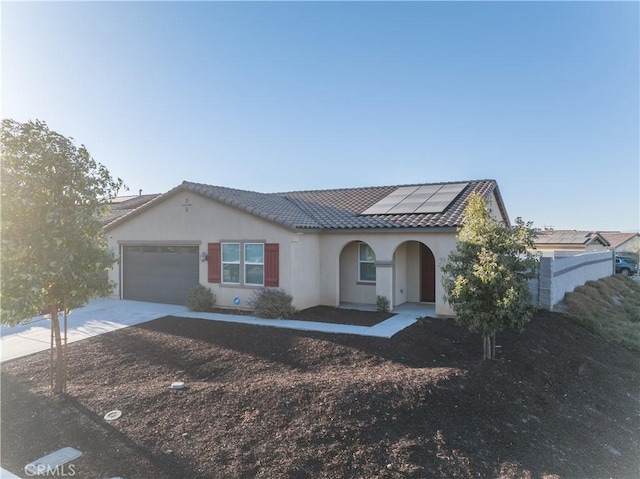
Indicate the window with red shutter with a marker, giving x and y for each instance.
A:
(272, 265)
(214, 263)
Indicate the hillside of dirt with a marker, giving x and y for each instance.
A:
(609, 307)
(559, 402)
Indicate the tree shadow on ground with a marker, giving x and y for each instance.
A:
(34, 425)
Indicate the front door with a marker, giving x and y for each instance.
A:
(427, 275)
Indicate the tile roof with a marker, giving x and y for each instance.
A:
(569, 237)
(270, 206)
(340, 208)
(616, 238)
(123, 205)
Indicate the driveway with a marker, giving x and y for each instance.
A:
(97, 317)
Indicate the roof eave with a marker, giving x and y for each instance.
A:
(378, 230)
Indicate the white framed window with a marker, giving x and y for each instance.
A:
(231, 263)
(366, 264)
(254, 264)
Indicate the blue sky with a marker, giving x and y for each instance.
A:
(543, 97)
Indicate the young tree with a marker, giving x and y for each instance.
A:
(486, 277)
(54, 253)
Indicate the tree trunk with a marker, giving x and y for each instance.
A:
(485, 346)
(59, 365)
(51, 361)
(65, 373)
(489, 346)
(493, 345)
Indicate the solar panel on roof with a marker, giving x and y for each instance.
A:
(391, 200)
(457, 187)
(428, 190)
(433, 207)
(417, 199)
(407, 206)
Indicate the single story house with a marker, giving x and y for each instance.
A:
(623, 242)
(325, 247)
(569, 242)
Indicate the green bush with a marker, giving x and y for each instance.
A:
(272, 303)
(382, 304)
(200, 299)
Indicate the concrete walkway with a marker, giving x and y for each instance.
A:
(386, 329)
(105, 315)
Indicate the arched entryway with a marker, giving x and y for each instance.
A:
(357, 274)
(414, 273)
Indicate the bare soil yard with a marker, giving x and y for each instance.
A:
(274, 403)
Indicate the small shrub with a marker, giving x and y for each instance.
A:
(272, 303)
(423, 321)
(382, 304)
(200, 299)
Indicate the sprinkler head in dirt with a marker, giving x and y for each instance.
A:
(113, 415)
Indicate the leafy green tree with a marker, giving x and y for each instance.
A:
(54, 252)
(486, 277)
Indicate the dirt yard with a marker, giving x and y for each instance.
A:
(274, 403)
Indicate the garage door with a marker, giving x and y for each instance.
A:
(159, 274)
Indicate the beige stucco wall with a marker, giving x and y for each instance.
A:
(205, 221)
(494, 210)
(400, 272)
(630, 246)
(304, 270)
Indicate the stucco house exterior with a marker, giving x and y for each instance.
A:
(325, 247)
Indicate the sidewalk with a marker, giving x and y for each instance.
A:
(385, 329)
(104, 315)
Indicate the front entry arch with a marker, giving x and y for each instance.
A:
(414, 273)
(427, 275)
(357, 275)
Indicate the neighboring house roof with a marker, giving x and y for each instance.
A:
(569, 238)
(335, 209)
(617, 239)
(123, 205)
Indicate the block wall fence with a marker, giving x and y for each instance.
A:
(560, 274)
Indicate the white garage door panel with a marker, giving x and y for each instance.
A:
(160, 274)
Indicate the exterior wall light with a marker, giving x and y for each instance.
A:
(204, 257)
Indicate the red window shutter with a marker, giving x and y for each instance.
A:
(272, 265)
(215, 263)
